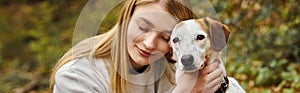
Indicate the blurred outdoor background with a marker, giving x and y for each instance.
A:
(263, 52)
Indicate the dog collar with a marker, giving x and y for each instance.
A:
(224, 86)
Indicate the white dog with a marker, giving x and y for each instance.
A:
(193, 40)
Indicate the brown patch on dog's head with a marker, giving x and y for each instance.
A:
(218, 33)
(179, 25)
(201, 24)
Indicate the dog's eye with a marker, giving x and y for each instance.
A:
(200, 37)
(175, 40)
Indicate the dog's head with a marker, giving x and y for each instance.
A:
(192, 40)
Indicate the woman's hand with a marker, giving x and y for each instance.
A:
(206, 80)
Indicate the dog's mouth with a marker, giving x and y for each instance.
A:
(190, 69)
(190, 63)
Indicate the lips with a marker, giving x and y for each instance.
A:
(144, 53)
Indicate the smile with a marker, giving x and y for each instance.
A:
(143, 53)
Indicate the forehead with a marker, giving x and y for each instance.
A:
(156, 14)
(160, 20)
(187, 28)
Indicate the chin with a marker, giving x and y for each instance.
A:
(140, 60)
(146, 61)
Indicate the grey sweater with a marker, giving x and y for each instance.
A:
(82, 76)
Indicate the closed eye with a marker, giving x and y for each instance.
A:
(144, 24)
(200, 37)
(143, 28)
(165, 37)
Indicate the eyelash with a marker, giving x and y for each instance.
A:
(165, 39)
(146, 29)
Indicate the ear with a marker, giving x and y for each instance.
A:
(226, 31)
(218, 33)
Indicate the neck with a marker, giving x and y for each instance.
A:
(137, 68)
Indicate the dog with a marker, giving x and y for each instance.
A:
(195, 39)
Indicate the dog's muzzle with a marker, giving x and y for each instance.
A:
(188, 63)
(187, 60)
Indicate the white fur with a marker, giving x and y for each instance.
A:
(188, 45)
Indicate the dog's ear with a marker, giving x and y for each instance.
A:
(218, 33)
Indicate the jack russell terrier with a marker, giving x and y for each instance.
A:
(195, 39)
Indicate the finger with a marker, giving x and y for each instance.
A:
(215, 82)
(211, 67)
(215, 74)
(215, 88)
(212, 86)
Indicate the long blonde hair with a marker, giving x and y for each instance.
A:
(112, 45)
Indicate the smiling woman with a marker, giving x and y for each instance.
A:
(134, 56)
(148, 35)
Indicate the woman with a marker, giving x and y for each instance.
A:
(134, 56)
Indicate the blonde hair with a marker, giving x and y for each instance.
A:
(111, 46)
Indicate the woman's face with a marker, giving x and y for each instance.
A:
(148, 34)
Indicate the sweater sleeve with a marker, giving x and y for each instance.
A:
(78, 77)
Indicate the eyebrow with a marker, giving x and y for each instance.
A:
(151, 24)
(146, 21)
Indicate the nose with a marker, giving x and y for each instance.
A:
(149, 41)
(187, 60)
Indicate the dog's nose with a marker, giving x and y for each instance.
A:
(187, 60)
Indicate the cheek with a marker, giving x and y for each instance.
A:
(132, 32)
(202, 43)
(134, 39)
(129, 38)
(164, 47)
(129, 41)
(133, 36)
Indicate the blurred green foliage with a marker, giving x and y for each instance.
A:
(34, 34)
(264, 47)
(263, 51)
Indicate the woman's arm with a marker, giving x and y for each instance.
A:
(72, 82)
(78, 77)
